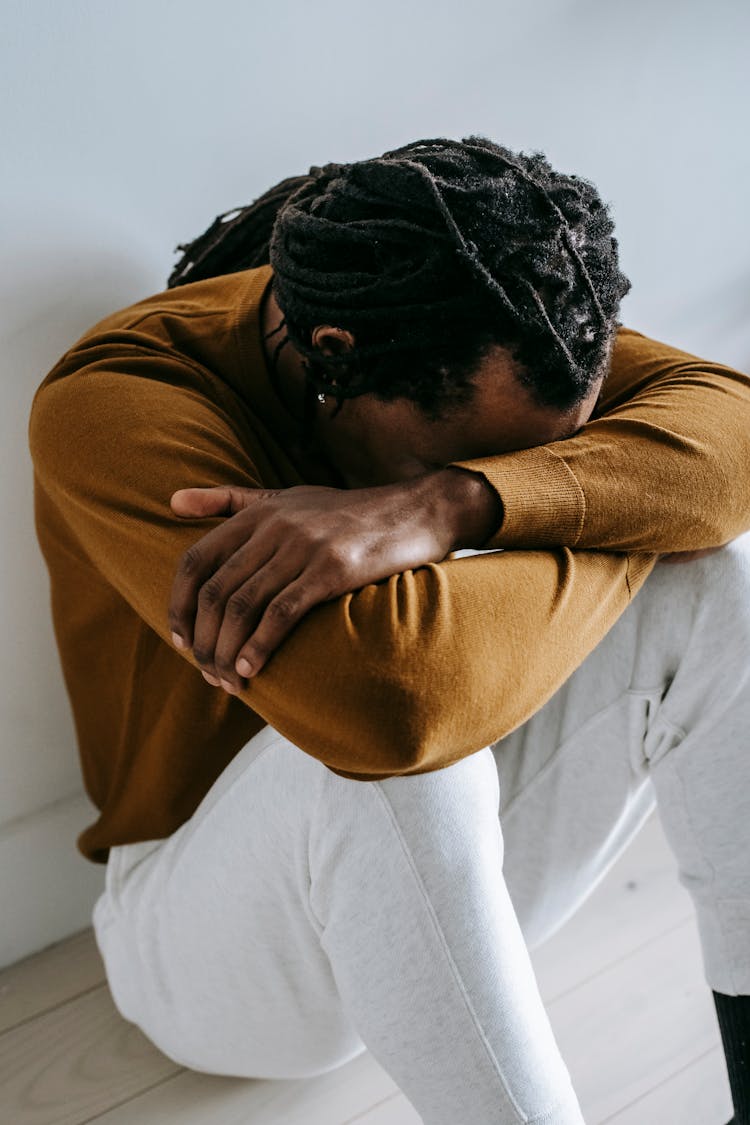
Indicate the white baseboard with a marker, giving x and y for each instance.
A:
(47, 888)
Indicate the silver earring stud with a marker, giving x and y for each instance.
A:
(322, 399)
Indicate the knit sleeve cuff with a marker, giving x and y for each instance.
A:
(543, 503)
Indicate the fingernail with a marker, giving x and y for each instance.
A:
(244, 667)
(177, 641)
(212, 680)
(228, 687)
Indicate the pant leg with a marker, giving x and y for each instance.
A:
(299, 917)
(228, 952)
(698, 754)
(658, 714)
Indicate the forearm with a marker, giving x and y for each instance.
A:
(662, 469)
(404, 675)
(471, 508)
(414, 673)
(409, 674)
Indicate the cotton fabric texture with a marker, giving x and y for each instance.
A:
(402, 678)
(299, 917)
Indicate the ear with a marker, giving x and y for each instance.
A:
(332, 341)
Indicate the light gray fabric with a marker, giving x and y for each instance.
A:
(299, 916)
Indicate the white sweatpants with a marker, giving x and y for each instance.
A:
(300, 917)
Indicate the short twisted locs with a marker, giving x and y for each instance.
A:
(430, 255)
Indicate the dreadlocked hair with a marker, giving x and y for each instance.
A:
(430, 255)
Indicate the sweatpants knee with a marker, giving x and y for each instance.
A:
(723, 585)
(446, 818)
(699, 608)
(445, 804)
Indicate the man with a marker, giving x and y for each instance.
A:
(430, 362)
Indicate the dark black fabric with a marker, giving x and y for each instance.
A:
(733, 1013)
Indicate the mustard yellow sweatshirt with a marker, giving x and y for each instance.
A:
(404, 676)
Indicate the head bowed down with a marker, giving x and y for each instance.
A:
(428, 255)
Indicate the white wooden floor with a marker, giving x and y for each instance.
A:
(622, 982)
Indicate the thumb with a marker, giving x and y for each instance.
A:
(224, 500)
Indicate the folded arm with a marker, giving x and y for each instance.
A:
(403, 676)
(663, 466)
(647, 473)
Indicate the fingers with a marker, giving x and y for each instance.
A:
(196, 567)
(228, 579)
(282, 614)
(224, 500)
(231, 603)
(243, 588)
(257, 616)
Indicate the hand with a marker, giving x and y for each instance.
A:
(242, 588)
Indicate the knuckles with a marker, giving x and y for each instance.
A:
(283, 609)
(240, 606)
(330, 563)
(191, 562)
(211, 594)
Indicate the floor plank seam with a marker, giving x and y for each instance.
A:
(663, 1080)
(618, 960)
(133, 1097)
(54, 1008)
(375, 1105)
(45, 952)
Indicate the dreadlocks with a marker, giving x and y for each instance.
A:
(429, 255)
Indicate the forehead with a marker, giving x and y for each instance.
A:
(502, 415)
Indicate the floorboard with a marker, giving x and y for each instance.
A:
(638, 899)
(636, 1024)
(49, 978)
(343, 1095)
(622, 982)
(74, 1062)
(696, 1095)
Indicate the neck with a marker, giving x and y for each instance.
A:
(290, 384)
(283, 359)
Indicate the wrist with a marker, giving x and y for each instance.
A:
(473, 509)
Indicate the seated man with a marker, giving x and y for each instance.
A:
(371, 368)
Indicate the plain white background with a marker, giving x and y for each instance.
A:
(127, 126)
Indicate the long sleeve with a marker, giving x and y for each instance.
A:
(664, 465)
(404, 676)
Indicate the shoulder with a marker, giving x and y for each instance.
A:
(168, 365)
(639, 363)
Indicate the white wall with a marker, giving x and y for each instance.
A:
(129, 124)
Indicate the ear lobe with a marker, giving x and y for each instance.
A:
(332, 341)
